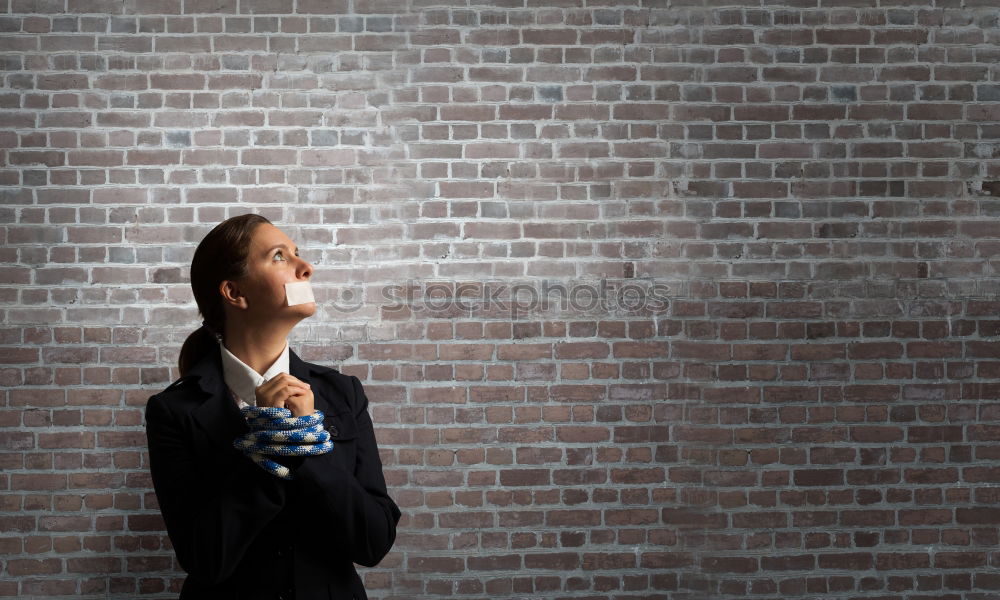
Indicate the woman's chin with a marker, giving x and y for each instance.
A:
(293, 314)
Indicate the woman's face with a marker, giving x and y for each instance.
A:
(273, 262)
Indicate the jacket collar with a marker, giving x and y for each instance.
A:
(219, 415)
(243, 380)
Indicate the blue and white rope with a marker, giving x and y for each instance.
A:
(275, 432)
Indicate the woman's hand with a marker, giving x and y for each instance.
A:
(286, 391)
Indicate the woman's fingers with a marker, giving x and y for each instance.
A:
(278, 390)
(300, 403)
(285, 379)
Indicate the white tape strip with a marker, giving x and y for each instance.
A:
(299, 292)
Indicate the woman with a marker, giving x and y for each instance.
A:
(243, 527)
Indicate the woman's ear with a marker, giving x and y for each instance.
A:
(231, 294)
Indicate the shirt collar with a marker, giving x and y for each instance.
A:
(243, 380)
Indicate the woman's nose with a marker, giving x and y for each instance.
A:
(305, 269)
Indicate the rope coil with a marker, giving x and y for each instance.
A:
(275, 432)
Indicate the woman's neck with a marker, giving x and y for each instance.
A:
(256, 350)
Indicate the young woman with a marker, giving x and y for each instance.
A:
(245, 523)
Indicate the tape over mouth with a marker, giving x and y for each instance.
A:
(298, 292)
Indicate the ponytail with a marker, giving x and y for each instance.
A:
(197, 346)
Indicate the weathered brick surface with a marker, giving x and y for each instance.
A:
(652, 299)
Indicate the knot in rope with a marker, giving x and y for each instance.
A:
(275, 432)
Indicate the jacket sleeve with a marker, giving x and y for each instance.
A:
(356, 504)
(211, 520)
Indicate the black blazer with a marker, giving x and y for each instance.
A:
(241, 532)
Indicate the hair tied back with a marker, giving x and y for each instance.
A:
(214, 333)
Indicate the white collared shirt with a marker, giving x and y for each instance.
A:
(243, 380)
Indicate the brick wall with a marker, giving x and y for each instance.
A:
(788, 389)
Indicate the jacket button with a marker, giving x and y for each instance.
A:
(333, 430)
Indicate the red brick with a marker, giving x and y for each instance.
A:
(559, 561)
(901, 560)
(608, 560)
(436, 564)
(866, 518)
(18, 567)
(524, 477)
(504, 562)
(732, 564)
(858, 561)
(977, 515)
(960, 560)
(577, 518)
(800, 562)
(666, 560)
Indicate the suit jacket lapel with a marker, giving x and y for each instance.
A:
(331, 394)
(323, 398)
(297, 367)
(218, 415)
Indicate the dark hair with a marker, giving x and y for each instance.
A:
(221, 255)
